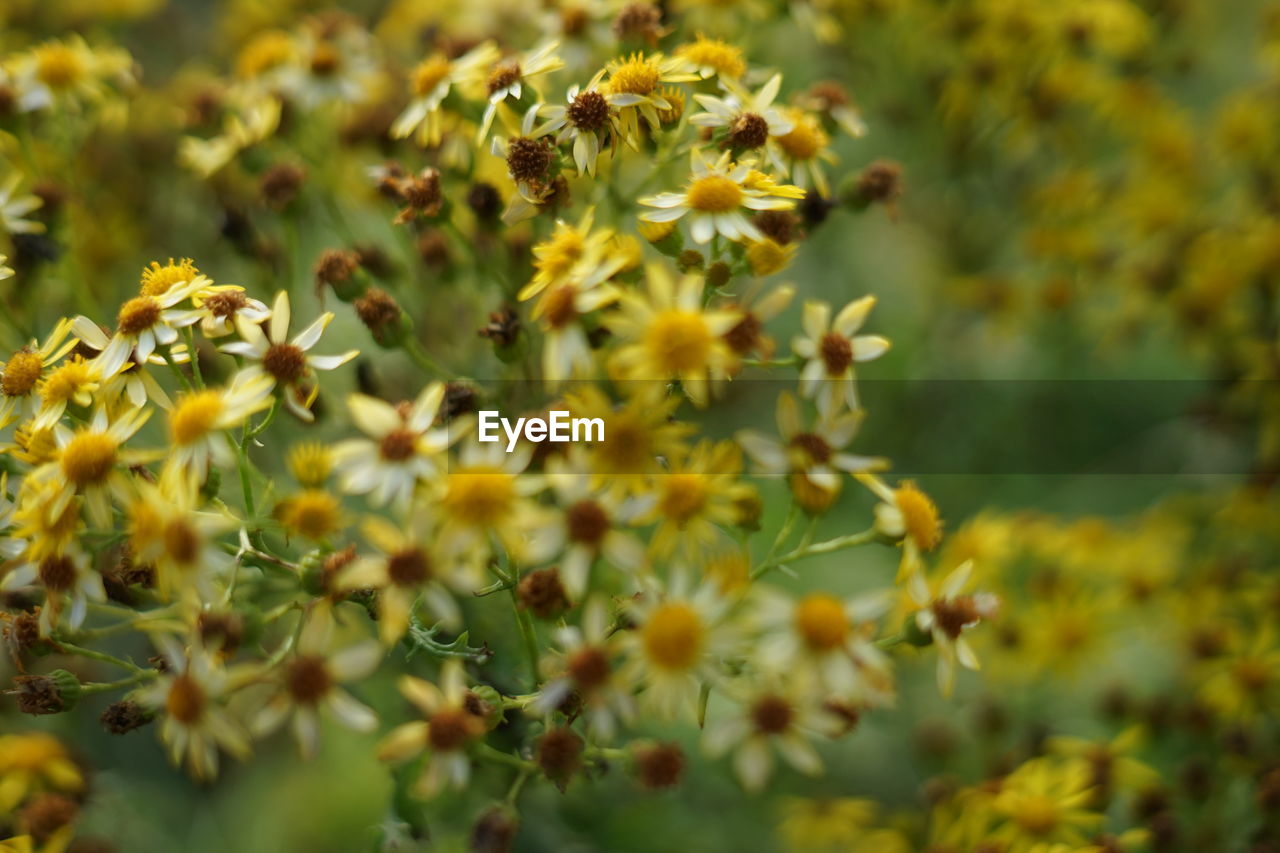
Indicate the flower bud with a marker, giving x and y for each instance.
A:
(46, 694)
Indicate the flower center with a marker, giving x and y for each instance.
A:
(1037, 814)
(66, 382)
(194, 416)
(558, 306)
(803, 142)
(307, 679)
(88, 458)
(428, 74)
(156, 279)
(409, 568)
(225, 303)
(673, 636)
(504, 74)
(588, 667)
(480, 496)
(325, 59)
(57, 573)
(137, 315)
(955, 614)
(58, 66)
(715, 194)
(186, 700)
(588, 111)
(821, 621)
(587, 522)
(813, 449)
(398, 445)
(679, 341)
(712, 53)
(314, 513)
(528, 159)
(21, 373)
(449, 729)
(919, 515)
(836, 353)
(749, 130)
(772, 715)
(745, 336)
(181, 542)
(286, 362)
(683, 497)
(637, 76)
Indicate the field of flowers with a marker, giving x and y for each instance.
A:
(935, 348)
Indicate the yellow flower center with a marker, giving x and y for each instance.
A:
(310, 463)
(313, 513)
(683, 497)
(557, 256)
(58, 66)
(821, 621)
(673, 636)
(715, 194)
(21, 373)
(636, 76)
(137, 315)
(712, 53)
(805, 140)
(1037, 814)
(919, 514)
(156, 279)
(66, 382)
(194, 416)
(88, 458)
(480, 495)
(679, 341)
(428, 75)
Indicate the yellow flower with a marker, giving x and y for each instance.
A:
(716, 197)
(831, 348)
(33, 762)
(669, 335)
(695, 499)
(712, 57)
(448, 729)
(1045, 801)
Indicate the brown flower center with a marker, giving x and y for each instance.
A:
(772, 715)
(398, 445)
(225, 303)
(587, 522)
(749, 130)
(588, 111)
(450, 729)
(814, 447)
(307, 679)
(528, 159)
(286, 362)
(409, 567)
(57, 573)
(137, 315)
(504, 74)
(836, 352)
(186, 700)
(745, 336)
(588, 667)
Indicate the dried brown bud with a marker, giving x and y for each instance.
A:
(560, 755)
(281, 183)
(382, 316)
(542, 593)
(503, 327)
(639, 22)
(122, 717)
(495, 831)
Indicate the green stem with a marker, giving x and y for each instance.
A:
(190, 338)
(487, 752)
(101, 657)
(108, 686)
(526, 630)
(839, 543)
